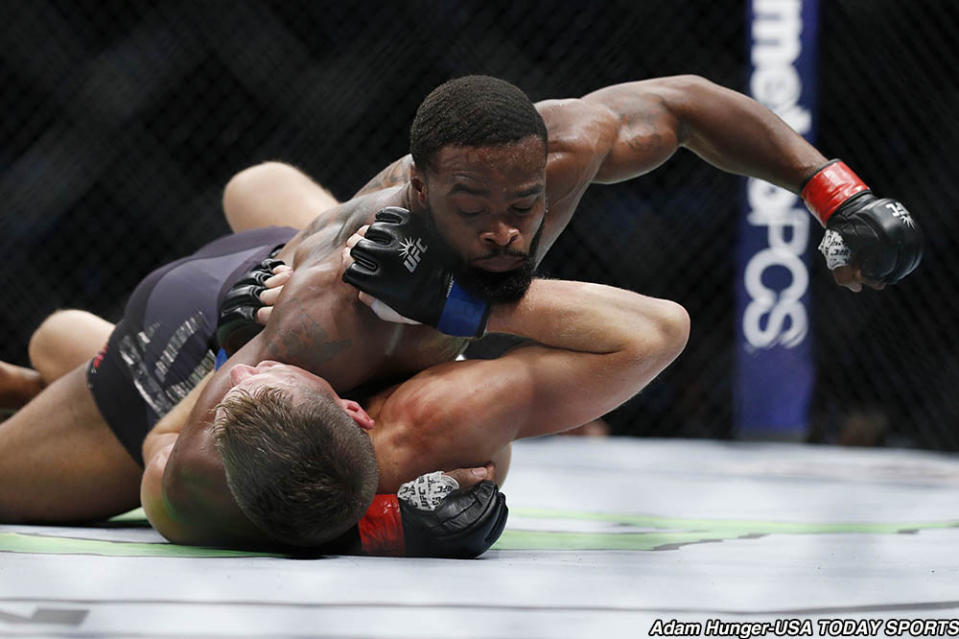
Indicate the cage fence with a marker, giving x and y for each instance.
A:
(123, 120)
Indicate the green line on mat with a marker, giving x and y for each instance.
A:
(737, 526)
(135, 516)
(679, 532)
(42, 544)
(535, 540)
(667, 533)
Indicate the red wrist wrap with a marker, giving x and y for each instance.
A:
(381, 529)
(829, 188)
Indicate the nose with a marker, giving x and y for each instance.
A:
(500, 233)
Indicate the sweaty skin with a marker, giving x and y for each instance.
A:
(608, 136)
(488, 203)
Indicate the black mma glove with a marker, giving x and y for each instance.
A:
(431, 517)
(236, 324)
(882, 238)
(402, 265)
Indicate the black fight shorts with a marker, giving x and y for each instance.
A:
(165, 343)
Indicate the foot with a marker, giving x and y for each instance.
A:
(18, 385)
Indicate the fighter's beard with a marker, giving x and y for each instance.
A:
(490, 286)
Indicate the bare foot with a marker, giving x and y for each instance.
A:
(18, 385)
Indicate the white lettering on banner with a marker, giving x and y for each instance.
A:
(777, 317)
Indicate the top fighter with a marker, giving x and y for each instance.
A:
(484, 181)
(483, 178)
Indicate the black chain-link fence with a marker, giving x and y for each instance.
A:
(123, 121)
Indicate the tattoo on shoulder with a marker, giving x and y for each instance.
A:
(338, 217)
(331, 229)
(343, 220)
(394, 174)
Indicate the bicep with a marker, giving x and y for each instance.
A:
(560, 389)
(643, 127)
(482, 405)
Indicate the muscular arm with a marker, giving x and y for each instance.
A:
(598, 347)
(641, 124)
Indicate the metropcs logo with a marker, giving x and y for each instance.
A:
(412, 253)
(777, 316)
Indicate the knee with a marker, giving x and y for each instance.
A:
(46, 345)
(250, 181)
(245, 191)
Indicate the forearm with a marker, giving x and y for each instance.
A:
(739, 135)
(731, 131)
(600, 346)
(589, 318)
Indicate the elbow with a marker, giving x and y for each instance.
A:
(673, 325)
(690, 85)
(664, 337)
(676, 327)
(685, 97)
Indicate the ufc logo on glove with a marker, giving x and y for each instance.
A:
(412, 252)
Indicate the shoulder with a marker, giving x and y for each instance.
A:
(415, 419)
(437, 402)
(580, 136)
(575, 125)
(328, 231)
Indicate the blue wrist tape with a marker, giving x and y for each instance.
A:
(463, 315)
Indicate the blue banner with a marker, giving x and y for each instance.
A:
(775, 375)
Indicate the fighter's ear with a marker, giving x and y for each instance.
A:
(418, 181)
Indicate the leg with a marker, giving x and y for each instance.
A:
(273, 193)
(18, 386)
(66, 340)
(62, 342)
(59, 461)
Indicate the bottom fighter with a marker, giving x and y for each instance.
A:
(73, 451)
(451, 412)
(596, 347)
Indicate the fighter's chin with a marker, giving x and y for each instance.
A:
(497, 286)
(500, 264)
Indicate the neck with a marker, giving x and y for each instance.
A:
(373, 405)
(383, 444)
